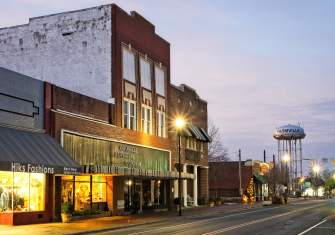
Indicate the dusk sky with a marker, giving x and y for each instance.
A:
(259, 64)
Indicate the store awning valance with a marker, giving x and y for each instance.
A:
(34, 152)
(198, 133)
(261, 179)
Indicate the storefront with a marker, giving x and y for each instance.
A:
(118, 177)
(28, 163)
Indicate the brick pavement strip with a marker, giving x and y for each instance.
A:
(92, 225)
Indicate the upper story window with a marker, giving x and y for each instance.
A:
(161, 126)
(145, 72)
(129, 114)
(128, 65)
(160, 80)
(191, 143)
(146, 120)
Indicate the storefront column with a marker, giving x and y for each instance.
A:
(195, 185)
(152, 191)
(185, 186)
(175, 188)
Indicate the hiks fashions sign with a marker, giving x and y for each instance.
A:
(38, 168)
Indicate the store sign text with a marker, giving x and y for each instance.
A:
(31, 168)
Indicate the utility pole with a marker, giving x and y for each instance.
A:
(274, 177)
(264, 154)
(240, 171)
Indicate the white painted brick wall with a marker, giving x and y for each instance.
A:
(72, 50)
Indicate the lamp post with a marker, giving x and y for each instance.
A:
(179, 125)
(286, 159)
(316, 169)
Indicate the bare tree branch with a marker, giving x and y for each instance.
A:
(216, 150)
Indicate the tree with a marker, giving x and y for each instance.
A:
(216, 150)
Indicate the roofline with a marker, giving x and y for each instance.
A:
(181, 88)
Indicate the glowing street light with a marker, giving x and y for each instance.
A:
(286, 158)
(316, 169)
(179, 123)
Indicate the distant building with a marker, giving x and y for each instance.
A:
(224, 178)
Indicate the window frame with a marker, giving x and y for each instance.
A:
(146, 124)
(158, 80)
(161, 127)
(124, 63)
(127, 116)
(149, 62)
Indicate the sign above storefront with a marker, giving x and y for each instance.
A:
(38, 168)
(90, 151)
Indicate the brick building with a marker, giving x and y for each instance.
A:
(185, 102)
(106, 77)
(224, 178)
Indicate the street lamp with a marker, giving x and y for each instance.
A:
(316, 169)
(179, 124)
(286, 159)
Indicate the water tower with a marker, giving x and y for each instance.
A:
(289, 145)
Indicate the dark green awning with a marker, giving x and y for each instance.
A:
(261, 179)
(35, 152)
(196, 133)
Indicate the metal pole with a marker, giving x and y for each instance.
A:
(264, 154)
(240, 171)
(300, 150)
(274, 176)
(179, 177)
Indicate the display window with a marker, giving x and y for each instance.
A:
(22, 192)
(83, 191)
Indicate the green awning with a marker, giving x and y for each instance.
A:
(261, 179)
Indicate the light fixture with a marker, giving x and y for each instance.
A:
(180, 123)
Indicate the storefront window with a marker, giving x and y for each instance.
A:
(99, 189)
(37, 184)
(83, 193)
(6, 187)
(22, 191)
(80, 187)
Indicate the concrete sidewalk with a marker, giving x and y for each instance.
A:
(105, 223)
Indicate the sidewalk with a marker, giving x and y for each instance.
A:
(114, 222)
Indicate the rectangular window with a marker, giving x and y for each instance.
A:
(191, 143)
(128, 65)
(22, 192)
(99, 189)
(160, 81)
(145, 72)
(161, 124)
(129, 114)
(146, 120)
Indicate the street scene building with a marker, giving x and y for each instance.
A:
(105, 89)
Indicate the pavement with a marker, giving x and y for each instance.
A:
(227, 218)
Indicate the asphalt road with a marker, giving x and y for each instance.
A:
(306, 217)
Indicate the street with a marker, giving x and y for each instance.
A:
(304, 217)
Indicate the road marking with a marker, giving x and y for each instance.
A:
(201, 221)
(309, 229)
(257, 221)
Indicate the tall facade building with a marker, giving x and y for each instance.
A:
(106, 101)
(185, 102)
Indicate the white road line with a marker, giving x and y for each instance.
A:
(309, 229)
(257, 221)
(201, 221)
